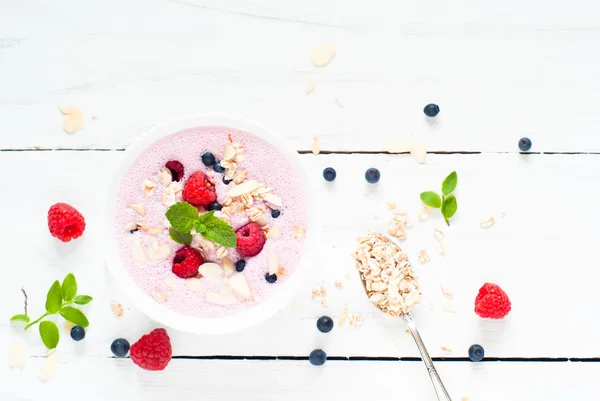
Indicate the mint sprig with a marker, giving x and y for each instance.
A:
(446, 202)
(59, 300)
(184, 216)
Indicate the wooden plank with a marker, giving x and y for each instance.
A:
(112, 379)
(496, 76)
(541, 253)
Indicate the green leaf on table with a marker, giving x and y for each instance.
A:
(431, 199)
(449, 208)
(69, 287)
(74, 316)
(20, 318)
(49, 334)
(179, 237)
(82, 299)
(54, 298)
(449, 183)
(216, 230)
(182, 216)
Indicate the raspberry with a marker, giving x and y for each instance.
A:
(250, 239)
(186, 262)
(176, 169)
(65, 222)
(153, 351)
(199, 191)
(492, 302)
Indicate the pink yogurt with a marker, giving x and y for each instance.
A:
(264, 163)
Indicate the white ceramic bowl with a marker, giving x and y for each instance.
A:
(238, 321)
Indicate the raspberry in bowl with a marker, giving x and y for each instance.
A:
(209, 224)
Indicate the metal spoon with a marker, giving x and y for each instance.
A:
(440, 390)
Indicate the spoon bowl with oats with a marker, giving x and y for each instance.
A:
(391, 285)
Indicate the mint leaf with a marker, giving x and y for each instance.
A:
(449, 183)
(49, 334)
(182, 216)
(54, 298)
(179, 237)
(74, 316)
(449, 208)
(216, 230)
(69, 287)
(431, 199)
(20, 318)
(82, 299)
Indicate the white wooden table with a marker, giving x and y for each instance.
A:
(498, 70)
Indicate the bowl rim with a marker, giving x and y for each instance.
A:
(202, 325)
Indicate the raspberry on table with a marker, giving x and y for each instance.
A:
(186, 262)
(65, 222)
(250, 239)
(199, 190)
(492, 302)
(152, 351)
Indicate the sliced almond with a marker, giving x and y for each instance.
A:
(158, 296)
(165, 176)
(397, 145)
(16, 356)
(316, 148)
(438, 235)
(155, 230)
(171, 283)
(322, 54)
(131, 226)
(310, 86)
(163, 252)
(424, 213)
(224, 287)
(273, 199)
(64, 108)
(238, 283)
(273, 261)
(418, 152)
(210, 270)
(67, 327)
(447, 291)
(194, 284)
(441, 249)
(49, 366)
(227, 265)
(137, 251)
(148, 187)
(229, 152)
(139, 209)
(222, 252)
(400, 210)
(220, 299)
(69, 125)
(273, 233)
(152, 243)
(257, 216)
(487, 223)
(243, 188)
(240, 177)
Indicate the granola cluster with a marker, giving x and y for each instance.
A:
(389, 279)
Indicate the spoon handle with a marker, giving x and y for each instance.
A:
(440, 390)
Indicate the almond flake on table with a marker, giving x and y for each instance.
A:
(438, 234)
(423, 256)
(310, 86)
(67, 327)
(418, 152)
(343, 317)
(316, 148)
(446, 349)
(322, 54)
(441, 249)
(487, 223)
(16, 356)
(49, 366)
(447, 290)
(72, 118)
(448, 308)
(424, 213)
(117, 309)
(401, 145)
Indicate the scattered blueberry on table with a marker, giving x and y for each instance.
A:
(476, 352)
(431, 110)
(214, 206)
(329, 174)
(524, 144)
(240, 265)
(317, 357)
(275, 213)
(325, 324)
(217, 168)
(120, 347)
(208, 159)
(372, 175)
(77, 333)
(271, 278)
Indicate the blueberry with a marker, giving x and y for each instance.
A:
(240, 265)
(275, 213)
(214, 206)
(325, 324)
(120, 347)
(226, 181)
(208, 159)
(134, 230)
(476, 352)
(271, 278)
(218, 168)
(524, 144)
(77, 333)
(317, 357)
(431, 110)
(372, 175)
(329, 174)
